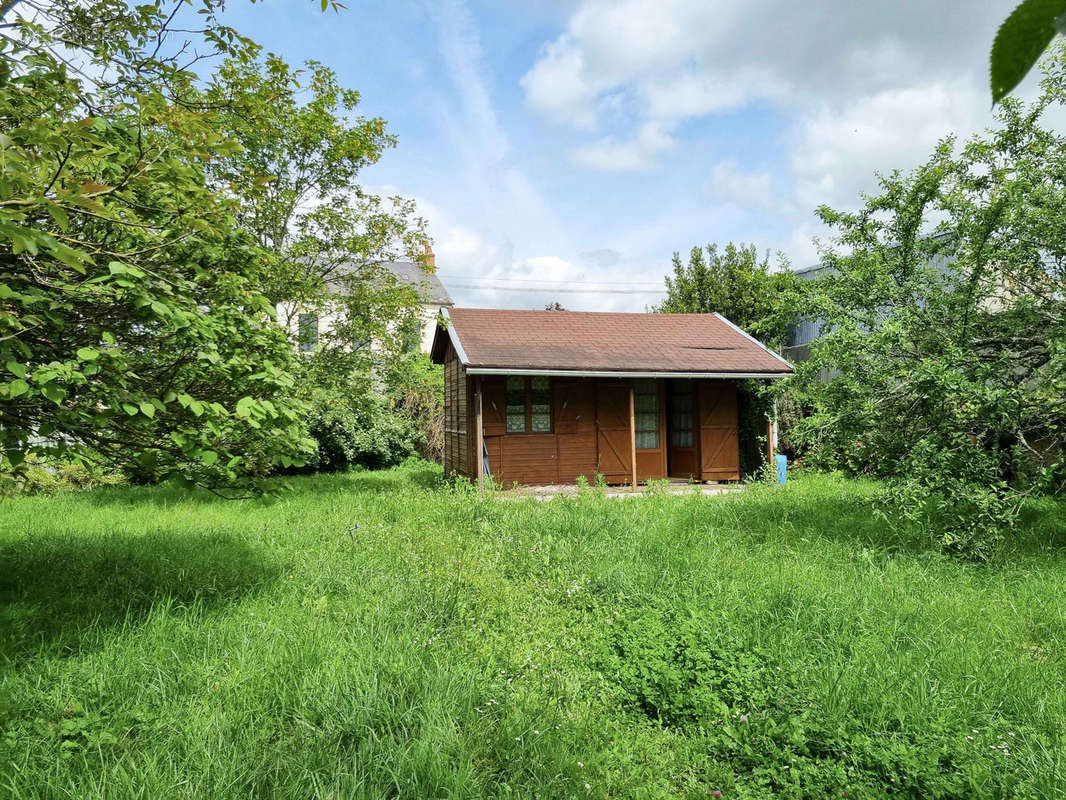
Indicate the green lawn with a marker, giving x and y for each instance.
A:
(373, 635)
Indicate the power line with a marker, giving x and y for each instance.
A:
(554, 290)
(542, 280)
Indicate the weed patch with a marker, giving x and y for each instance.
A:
(388, 634)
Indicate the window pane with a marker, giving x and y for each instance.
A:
(308, 332)
(516, 423)
(647, 422)
(516, 392)
(646, 402)
(540, 404)
(681, 422)
(682, 439)
(682, 402)
(644, 386)
(648, 441)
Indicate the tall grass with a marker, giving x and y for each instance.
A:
(382, 635)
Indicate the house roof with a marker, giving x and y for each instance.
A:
(499, 341)
(430, 290)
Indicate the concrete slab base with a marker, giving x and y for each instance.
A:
(621, 492)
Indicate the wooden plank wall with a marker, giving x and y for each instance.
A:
(456, 417)
(590, 435)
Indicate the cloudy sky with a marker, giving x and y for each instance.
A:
(578, 144)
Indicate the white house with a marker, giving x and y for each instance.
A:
(306, 326)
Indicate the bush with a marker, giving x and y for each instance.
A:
(360, 430)
(415, 389)
(754, 410)
(40, 477)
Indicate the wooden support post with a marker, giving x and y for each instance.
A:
(479, 435)
(633, 434)
(770, 442)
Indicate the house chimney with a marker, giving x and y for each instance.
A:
(431, 259)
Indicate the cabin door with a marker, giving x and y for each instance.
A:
(613, 437)
(719, 450)
(681, 430)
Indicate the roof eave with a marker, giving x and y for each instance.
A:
(604, 373)
(437, 349)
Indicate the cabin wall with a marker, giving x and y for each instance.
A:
(590, 434)
(457, 423)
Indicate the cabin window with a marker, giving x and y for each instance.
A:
(529, 405)
(682, 415)
(646, 410)
(516, 405)
(308, 332)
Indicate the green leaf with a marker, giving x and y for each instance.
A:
(209, 457)
(1021, 39)
(17, 388)
(118, 268)
(244, 406)
(130, 409)
(88, 354)
(15, 368)
(147, 408)
(54, 393)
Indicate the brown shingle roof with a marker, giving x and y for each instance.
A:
(605, 342)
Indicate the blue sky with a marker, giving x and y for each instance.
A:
(585, 141)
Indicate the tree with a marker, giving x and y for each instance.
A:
(554, 306)
(739, 285)
(295, 176)
(132, 326)
(946, 322)
(302, 149)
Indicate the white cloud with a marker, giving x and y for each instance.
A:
(751, 190)
(678, 59)
(836, 151)
(690, 94)
(636, 154)
(860, 90)
(555, 86)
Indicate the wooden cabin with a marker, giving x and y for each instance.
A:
(546, 396)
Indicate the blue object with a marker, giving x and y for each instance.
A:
(782, 468)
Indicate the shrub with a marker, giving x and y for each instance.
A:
(42, 477)
(360, 430)
(415, 389)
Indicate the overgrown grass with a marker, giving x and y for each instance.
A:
(377, 635)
